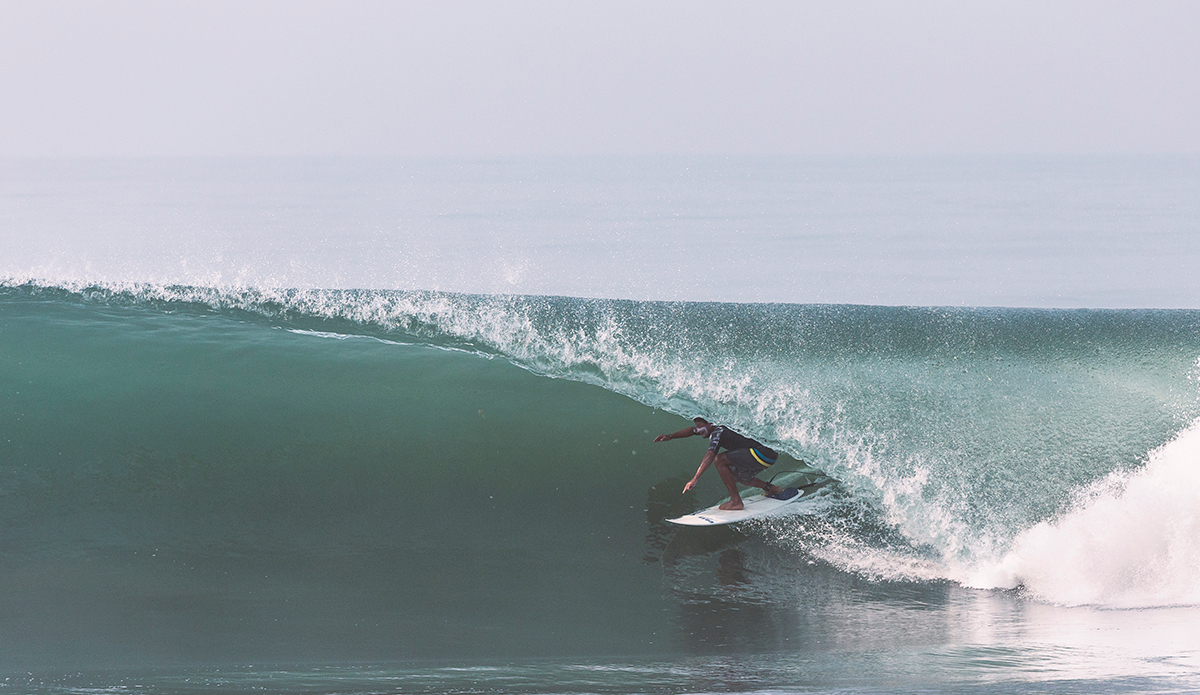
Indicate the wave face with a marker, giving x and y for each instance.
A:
(342, 467)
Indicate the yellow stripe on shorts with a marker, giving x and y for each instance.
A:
(759, 458)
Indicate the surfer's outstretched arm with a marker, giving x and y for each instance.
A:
(685, 432)
(709, 457)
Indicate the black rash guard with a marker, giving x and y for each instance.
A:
(723, 437)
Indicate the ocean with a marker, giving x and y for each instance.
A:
(349, 426)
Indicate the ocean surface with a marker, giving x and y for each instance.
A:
(257, 437)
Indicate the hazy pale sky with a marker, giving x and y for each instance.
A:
(510, 78)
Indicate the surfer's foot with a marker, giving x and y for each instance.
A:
(732, 506)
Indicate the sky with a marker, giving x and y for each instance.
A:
(481, 79)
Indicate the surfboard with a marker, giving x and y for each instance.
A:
(753, 507)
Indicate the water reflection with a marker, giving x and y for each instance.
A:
(743, 602)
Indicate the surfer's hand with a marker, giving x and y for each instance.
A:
(662, 438)
(691, 484)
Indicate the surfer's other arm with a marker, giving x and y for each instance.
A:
(685, 432)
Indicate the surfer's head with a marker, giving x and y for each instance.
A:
(702, 427)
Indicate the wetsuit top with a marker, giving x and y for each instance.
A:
(722, 436)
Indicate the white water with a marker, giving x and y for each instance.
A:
(1133, 542)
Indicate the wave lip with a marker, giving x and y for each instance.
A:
(1133, 542)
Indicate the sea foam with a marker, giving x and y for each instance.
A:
(1133, 542)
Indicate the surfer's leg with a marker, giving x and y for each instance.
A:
(746, 468)
(727, 477)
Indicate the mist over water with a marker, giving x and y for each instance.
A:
(967, 231)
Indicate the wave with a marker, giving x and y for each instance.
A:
(964, 439)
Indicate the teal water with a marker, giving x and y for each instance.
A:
(237, 490)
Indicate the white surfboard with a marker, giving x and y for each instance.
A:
(753, 507)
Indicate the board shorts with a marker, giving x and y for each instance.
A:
(746, 464)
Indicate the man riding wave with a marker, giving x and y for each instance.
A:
(742, 461)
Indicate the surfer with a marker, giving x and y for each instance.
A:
(742, 461)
